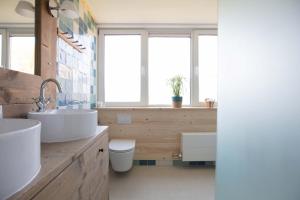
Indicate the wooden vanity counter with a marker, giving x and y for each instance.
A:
(58, 161)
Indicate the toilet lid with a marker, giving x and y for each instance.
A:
(121, 145)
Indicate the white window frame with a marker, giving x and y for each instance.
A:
(145, 34)
(3, 32)
(184, 33)
(16, 32)
(6, 34)
(195, 82)
(144, 62)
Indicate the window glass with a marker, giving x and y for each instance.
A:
(122, 68)
(168, 57)
(21, 54)
(207, 56)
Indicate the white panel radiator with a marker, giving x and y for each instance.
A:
(199, 146)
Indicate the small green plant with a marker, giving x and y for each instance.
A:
(177, 85)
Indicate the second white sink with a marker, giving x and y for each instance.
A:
(66, 125)
(20, 154)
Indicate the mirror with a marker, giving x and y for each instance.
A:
(17, 40)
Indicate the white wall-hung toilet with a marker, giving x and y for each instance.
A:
(121, 154)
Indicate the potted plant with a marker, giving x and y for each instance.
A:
(177, 86)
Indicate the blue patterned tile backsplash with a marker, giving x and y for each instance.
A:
(76, 71)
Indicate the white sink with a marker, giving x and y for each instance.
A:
(66, 124)
(20, 154)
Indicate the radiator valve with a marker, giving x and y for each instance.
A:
(177, 156)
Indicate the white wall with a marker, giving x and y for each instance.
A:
(259, 100)
(8, 14)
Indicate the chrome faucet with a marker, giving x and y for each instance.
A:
(42, 101)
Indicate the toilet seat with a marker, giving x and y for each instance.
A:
(121, 146)
(125, 151)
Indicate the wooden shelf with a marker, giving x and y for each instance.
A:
(68, 39)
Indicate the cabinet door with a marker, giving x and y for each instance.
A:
(96, 163)
(65, 186)
(99, 184)
(85, 179)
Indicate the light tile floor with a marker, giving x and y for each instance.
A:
(163, 183)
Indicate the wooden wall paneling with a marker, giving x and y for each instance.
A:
(157, 130)
(16, 92)
(10, 78)
(17, 110)
(16, 95)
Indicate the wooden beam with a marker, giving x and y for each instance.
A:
(46, 38)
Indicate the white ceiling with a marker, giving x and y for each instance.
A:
(155, 11)
(8, 14)
(134, 11)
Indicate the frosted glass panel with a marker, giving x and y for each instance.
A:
(259, 101)
(168, 57)
(122, 68)
(208, 63)
(21, 54)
